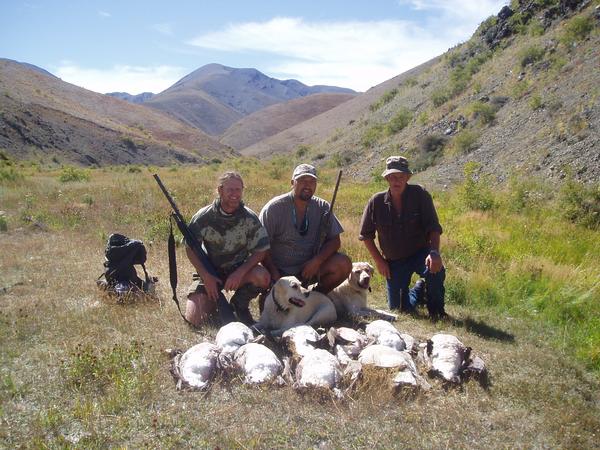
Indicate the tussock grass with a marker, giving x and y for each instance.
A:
(79, 370)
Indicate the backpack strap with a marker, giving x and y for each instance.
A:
(173, 269)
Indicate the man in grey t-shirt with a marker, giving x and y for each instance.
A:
(293, 221)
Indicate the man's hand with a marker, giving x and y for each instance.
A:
(434, 262)
(383, 267)
(234, 280)
(275, 274)
(212, 285)
(311, 268)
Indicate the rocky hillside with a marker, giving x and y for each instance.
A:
(214, 97)
(520, 97)
(273, 119)
(47, 120)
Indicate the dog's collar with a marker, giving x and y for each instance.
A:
(278, 305)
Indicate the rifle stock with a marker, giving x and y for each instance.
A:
(224, 308)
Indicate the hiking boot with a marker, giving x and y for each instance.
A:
(240, 302)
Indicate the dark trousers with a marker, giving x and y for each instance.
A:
(399, 294)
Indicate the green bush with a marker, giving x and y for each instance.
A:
(385, 98)
(70, 173)
(423, 118)
(399, 121)
(577, 29)
(531, 55)
(302, 150)
(465, 141)
(475, 193)
(10, 174)
(439, 97)
(536, 102)
(372, 135)
(581, 204)
(483, 112)
(3, 223)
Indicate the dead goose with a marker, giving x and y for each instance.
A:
(318, 368)
(232, 336)
(383, 356)
(446, 356)
(347, 343)
(301, 339)
(197, 366)
(385, 333)
(258, 363)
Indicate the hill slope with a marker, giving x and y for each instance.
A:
(213, 97)
(45, 118)
(276, 118)
(521, 96)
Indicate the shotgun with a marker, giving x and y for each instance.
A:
(223, 307)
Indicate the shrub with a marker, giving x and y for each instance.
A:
(433, 143)
(536, 102)
(372, 135)
(465, 141)
(423, 118)
(439, 97)
(3, 223)
(520, 89)
(411, 82)
(577, 29)
(483, 112)
(475, 192)
(531, 55)
(10, 174)
(580, 203)
(385, 98)
(302, 150)
(134, 169)
(399, 121)
(70, 173)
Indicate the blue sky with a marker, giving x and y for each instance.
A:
(136, 46)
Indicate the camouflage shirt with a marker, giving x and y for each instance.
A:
(228, 239)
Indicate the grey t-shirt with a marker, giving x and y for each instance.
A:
(289, 249)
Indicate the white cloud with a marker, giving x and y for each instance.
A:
(120, 78)
(163, 28)
(351, 54)
(104, 14)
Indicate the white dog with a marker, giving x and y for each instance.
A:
(350, 297)
(289, 304)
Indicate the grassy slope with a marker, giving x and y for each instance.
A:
(76, 368)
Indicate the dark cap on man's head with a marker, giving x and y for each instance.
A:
(304, 169)
(396, 164)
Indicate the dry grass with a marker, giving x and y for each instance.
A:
(55, 327)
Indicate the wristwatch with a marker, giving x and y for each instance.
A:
(434, 253)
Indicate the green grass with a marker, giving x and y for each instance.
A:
(78, 370)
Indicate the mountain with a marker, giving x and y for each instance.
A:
(137, 99)
(518, 98)
(214, 96)
(273, 119)
(45, 119)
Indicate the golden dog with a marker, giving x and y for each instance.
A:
(350, 297)
(289, 304)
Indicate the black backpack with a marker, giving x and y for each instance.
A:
(122, 254)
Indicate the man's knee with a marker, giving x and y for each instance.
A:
(260, 277)
(339, 264)
(199, 308)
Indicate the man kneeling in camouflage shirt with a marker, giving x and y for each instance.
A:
(235, 243)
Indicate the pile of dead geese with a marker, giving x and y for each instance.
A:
(334, 359)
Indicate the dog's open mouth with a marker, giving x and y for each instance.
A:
(364, 284)
(296, 301)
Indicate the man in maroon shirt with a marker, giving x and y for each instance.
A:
(408, 231)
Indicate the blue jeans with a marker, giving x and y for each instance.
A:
(399, 294)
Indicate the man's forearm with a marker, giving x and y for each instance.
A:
(329, 248)
(252, 261)
(202, 271)
(434, 240)
(372, 248)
